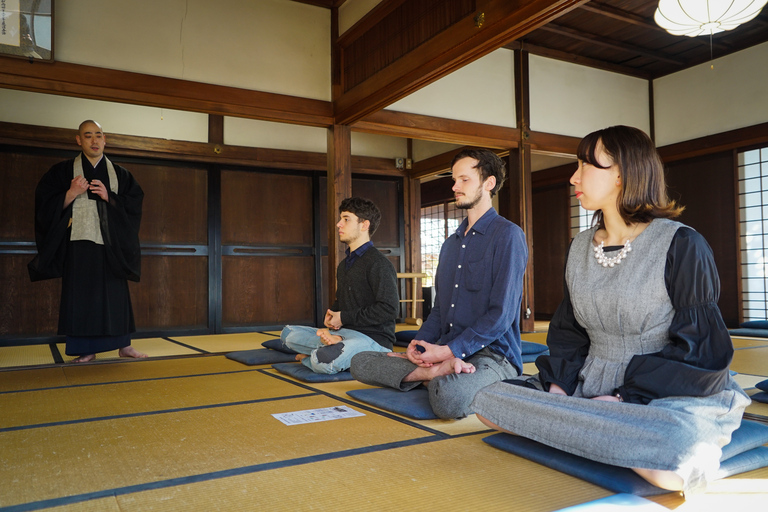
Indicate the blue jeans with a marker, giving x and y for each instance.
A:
(327, 358)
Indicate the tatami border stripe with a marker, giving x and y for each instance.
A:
(216, 475)
(57, 359)
(153, 413)
(187, 346)
(148, 379)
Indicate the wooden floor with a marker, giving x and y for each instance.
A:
(188, 429)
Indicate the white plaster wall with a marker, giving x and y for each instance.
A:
(366, 144)
(275, 46)
(573, 100)
(264, 134)
(702, 101)
(482, 92)
(352, 11)
(423, 149)
(65, 112)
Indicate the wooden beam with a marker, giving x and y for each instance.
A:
(611, 43)
(450, 49)
(726, 141)
(402, 124)
(439, 164)
(553, 143)
(139, 89)
(14, 134)
(578, 59)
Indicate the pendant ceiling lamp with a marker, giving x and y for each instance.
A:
(705, 17)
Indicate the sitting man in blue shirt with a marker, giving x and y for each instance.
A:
(363, 316)
(471, 339)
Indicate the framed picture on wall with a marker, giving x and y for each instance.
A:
(26, 29)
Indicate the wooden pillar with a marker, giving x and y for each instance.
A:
(412, 249)
(339, 188)
(215, 129)
(516, 203)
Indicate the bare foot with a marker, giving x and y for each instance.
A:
(327, 338)
(129, 351)
(300, 357)
(84, 359)
(397, 354)
(447, 367)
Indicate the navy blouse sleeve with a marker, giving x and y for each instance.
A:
(696, 361)
(568, 347)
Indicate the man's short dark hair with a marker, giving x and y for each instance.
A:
(488, 164)
(364, 209)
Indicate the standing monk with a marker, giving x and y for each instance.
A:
(87, 216)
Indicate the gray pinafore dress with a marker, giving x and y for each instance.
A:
(625, 310)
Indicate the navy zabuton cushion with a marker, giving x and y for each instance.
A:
(260, 356)
(403, 338)
(749, 331)
(412, 404)
(762, 385)
(744, 453)
(277, 344)
(301, 372)
(755, 324)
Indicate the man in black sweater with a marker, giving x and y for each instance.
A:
(363, 316)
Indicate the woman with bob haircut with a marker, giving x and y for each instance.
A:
(638, 372)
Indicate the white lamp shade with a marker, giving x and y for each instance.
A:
(702, 17)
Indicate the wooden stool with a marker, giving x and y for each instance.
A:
(414, 277)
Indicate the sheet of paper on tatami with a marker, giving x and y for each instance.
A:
(192, 430)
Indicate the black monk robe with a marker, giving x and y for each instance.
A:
(95, 299)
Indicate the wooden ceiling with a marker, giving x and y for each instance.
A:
(621, 36)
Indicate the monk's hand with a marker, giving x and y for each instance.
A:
(78, 185)
(98, 188)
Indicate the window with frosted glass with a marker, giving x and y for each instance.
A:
(753, 232)
(437, 222)
(581, 219)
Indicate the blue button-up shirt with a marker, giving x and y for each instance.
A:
(479, 286)
(357, 253)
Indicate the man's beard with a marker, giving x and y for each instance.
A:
(470, 203)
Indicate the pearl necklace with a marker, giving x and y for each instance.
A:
(611, 262)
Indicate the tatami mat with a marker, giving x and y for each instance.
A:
(153, 347)
(535, 337)
(27, 355)
(143, 449)
(747, 381)
(69, 404)
(449, 475)
(740, 343)
(197, 433)
(220, 343)
(753, 361)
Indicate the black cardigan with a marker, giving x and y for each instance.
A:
(366, 296)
